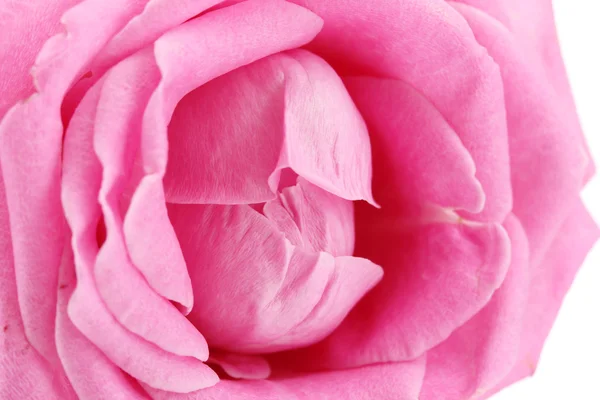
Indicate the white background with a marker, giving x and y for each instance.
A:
(569, 368)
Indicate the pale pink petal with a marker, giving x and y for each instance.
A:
(436, 277)
(230, 138)
(549, 282)
(547, 157)
(533, 26)
(429, 46)
(24, 373)
(32, 131)
(241, 366)
(256, 292)
(325, 221)
(396, 381)
(481, 352)
(86, 309)
(417, 156)
(91, 373)
(26, 25)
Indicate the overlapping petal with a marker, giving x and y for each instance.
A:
(429, 46)
(437, 276)
(256, 292)
(237, 132)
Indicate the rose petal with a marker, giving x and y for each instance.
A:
(24, 373)
(253, 290)
(547, 158)
(532, 25)
(25, 28)
(549, 282)
(32, 131)
(86, 309)
(157, 17)
(90, 372)
(437, 276)
(287, 110)
(481, 352)
(429, 46)
(396, 381)
(211, 42)
(242, 366)
(418, 157)
(325, 221)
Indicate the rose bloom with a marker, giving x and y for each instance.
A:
(269, 199)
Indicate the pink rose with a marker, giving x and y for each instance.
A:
(180, 211)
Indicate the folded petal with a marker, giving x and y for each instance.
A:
(549, 282)
(256, 292)
(436, 277)
(241, 366)
(418, 158)
(481, 352)
(211, 42)
(90, 372)
(394, 381)
(230, 139)
(32, 131)
(324, 221)
(429, 46)
(86, 309)
(547, 160)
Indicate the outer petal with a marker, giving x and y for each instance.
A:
(397, 381)
(91, 373)
(550, 280)
(418, 158)
(547, 156)
(533, 27)
(287, 110)
(253, 290)
(437, 276)
(32, 131)
(86, 309)
(24, 373)
(481, 352)
(25, 28)
(427, 45)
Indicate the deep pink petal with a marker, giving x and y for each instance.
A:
(540, 137)
(418, 158)
(533, 26)
(481, 352)
(24, 373)
(256, 292)
(32, 131)
(549, 282)
(436, 277)
(396, 381)
(230, 138)
(429, 46)
(86, 309)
